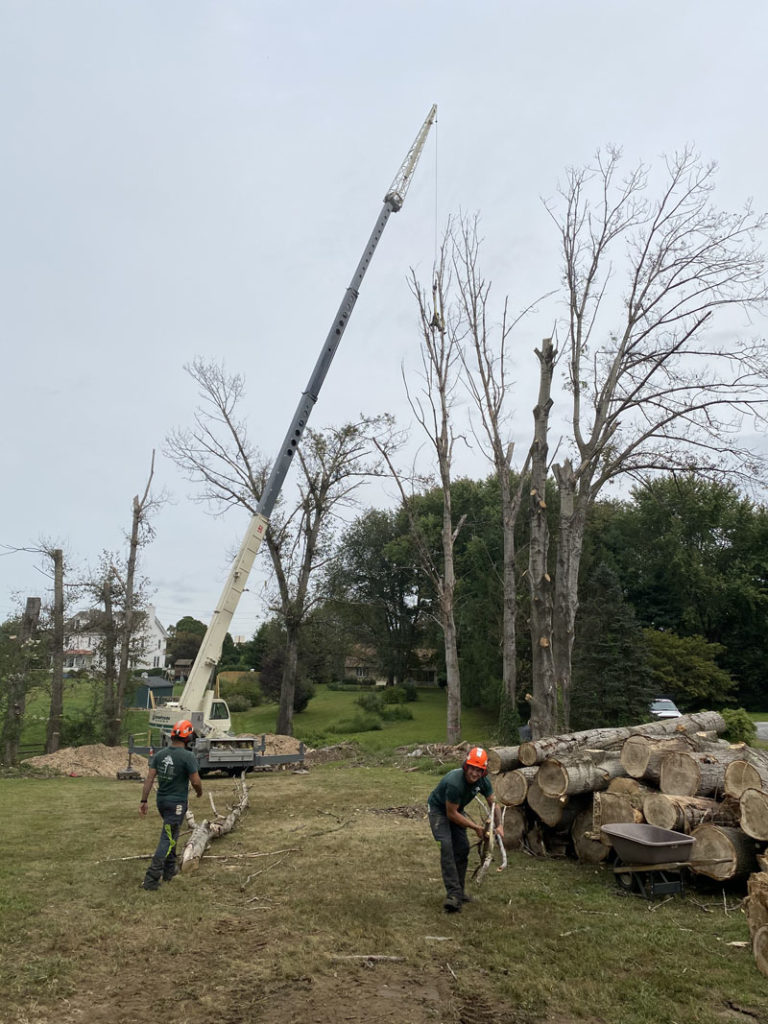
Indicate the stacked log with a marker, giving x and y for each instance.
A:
(676, 774)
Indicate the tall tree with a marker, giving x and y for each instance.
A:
(217, 453)
(19, 657)
(651, 386)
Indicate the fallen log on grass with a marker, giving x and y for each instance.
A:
(204, 833)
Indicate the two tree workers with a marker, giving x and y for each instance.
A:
(449, 824)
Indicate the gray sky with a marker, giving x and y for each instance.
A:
(192, 178)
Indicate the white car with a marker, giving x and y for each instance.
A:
(664, 708)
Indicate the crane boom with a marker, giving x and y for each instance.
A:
(197, 697)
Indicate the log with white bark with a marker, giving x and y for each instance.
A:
(560, 777)
(753, 805)
(684, 813)
(204, 833)
(503, 759)
(535, 751)
(722, 853)
(695, 774)
(588, 849)
(744, 774)
(511, 788)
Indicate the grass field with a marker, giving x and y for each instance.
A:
(328, 866)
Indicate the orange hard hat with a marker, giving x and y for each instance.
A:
(478, 758)
(182, 730)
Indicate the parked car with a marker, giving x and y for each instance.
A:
(662, 707)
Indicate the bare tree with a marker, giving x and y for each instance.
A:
(217, 454)
(652, 386)
(487, 380)
(20, 652)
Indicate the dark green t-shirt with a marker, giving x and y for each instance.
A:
(455, 789)
(173, 765)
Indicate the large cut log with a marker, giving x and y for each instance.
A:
(743, 774)
(536, 751)
(578, 774)
(684, 813)
(753, 806)
(722, 853)
(204, 833)
(514, 828)
(634, 790)
(588, 849)
(756, 903)
(548, 809)
(511, 788)
(642, 755)
(503, 759)
(612, 809)
(695, 774)
(760, 949)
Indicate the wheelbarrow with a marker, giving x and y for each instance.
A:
(649, 859)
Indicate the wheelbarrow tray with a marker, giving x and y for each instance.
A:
(648, 844)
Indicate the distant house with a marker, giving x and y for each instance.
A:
(180, 669)
(152, 692)
(85, 636)
(362, 663)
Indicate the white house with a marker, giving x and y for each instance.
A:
(84, 639)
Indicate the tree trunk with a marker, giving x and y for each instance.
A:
(695, 774)
(685, 813)
(16, 683)
(560, 778)
(111, 715)
(642, 755)
(514, 828)
(53, 730)
(753, 804)
(612, 809)
(503, 759)
(588, 849)
(204, 833)
(453, 678)
(721, 852)
(511, 788)
(548, 809)
(544, 711)
(741, 775)
(288, 685)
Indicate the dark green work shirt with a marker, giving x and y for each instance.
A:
(173, 765)
(454, 788)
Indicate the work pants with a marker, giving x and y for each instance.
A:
(454, 852)
(163, 864)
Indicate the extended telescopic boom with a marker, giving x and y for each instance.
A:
(200, 679)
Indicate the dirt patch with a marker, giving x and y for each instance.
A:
(95, 760)
(417, 812)
(324, 755)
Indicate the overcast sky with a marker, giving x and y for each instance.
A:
(186, 178)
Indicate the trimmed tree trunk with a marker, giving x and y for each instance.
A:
(503, 759)
(742, 775)
(53, 729)
(722, 853)
(694, 774)
(588, 849)
(753, 805)
(514, 828)
(685, 813)
(642, 755)
(559, 778)
(511, 788)
(612, 809)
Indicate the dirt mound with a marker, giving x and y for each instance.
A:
(95, 760)
(275, 743)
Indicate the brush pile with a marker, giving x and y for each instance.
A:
(677, 774)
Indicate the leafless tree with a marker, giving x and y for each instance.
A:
(217, 454)
(652, 386)
(487, 363)
(21, 656)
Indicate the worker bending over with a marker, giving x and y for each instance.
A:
(449, 824)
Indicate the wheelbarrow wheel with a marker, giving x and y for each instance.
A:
(626, 881)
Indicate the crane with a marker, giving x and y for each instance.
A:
(215, 745)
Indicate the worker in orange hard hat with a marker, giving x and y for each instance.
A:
(174, 767)
(449, 824)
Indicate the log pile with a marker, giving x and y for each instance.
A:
(677, 774)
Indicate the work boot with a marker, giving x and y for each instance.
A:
(150, 885)
(452, 905)
(170, 873)
(466, 898)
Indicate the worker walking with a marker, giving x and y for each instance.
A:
(174, 767)
(449, 824)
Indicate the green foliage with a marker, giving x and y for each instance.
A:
(410, 691)
(612, 683)
(397, 713)
(238, 702)
(394, 695)
(740, 727)
(303, 694)
(685, 668)
(244, 684)
(371, 702)
(361, 722)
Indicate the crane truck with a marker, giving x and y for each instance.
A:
(215, 745)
